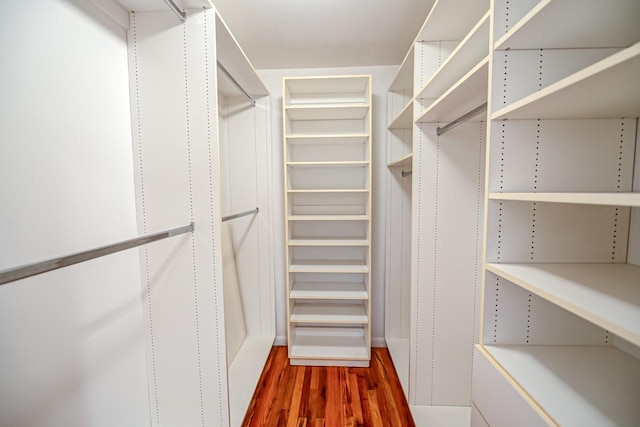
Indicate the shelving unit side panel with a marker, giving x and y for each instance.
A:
(423, 218)
(549, 232)
(633, 251)
(244, 147)
(179, 165)
(558, 155)
(516, 316)
(396, 282)
(405, 258)
(523, 72)
(451, 272)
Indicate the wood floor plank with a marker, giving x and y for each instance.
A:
(318, 396)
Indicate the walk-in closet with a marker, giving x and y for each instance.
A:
(366, 213)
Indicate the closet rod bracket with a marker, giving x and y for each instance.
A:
(235, 82)
(181, 14)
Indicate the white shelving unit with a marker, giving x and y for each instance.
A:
(560, 338)
(327, 146)
(434, 198)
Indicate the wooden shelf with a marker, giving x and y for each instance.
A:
(328, 291)
(329, 344)
(328, 242)
(402, 162)
(405, 118)
(451, 19)
(331, 190)
(605, 199)
(326, 89)
(606, 89)
(328, 217)
(337, 139)
(468, 93)
(230, 54)
(329, 313)
(576, 385)
(598, 24)
(471, 50)
(403, 80)
(328, 164)
(328, 266)
(327, 112)
(607, 295)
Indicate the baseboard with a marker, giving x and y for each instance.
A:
(375, 341)
(378, 342)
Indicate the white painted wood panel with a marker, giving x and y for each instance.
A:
(447, 213)
(176, 180)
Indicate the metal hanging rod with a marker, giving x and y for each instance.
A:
(181, 14)
(406, 173)
(241, 214)
(235, 82)
(480, 109)
(34, 269)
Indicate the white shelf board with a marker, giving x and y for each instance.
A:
(235, 61)
(576, 385)
(328, 164)
(584, 24)
(608, 199)
(159, 6)
(329, 344)
(327, 112)
(328, 242)
(328, 266)
(244, 373)
(402, 161)
(399, 351)
(327, 85)
(471, 50)
(338, 291)
(606, 89)
(337, 139)
(441, 416)
(607, 295)
(468, 93)
(331, 190)
(439, 24)
(328, 217)
(329, 313)
(405, 118)
(403, 80)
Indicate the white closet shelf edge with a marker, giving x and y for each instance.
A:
(606, 199)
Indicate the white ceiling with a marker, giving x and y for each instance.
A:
(324, 33)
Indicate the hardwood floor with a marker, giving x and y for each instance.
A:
(315, 396)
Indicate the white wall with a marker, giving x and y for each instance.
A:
(72, 341)
(381, 79)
